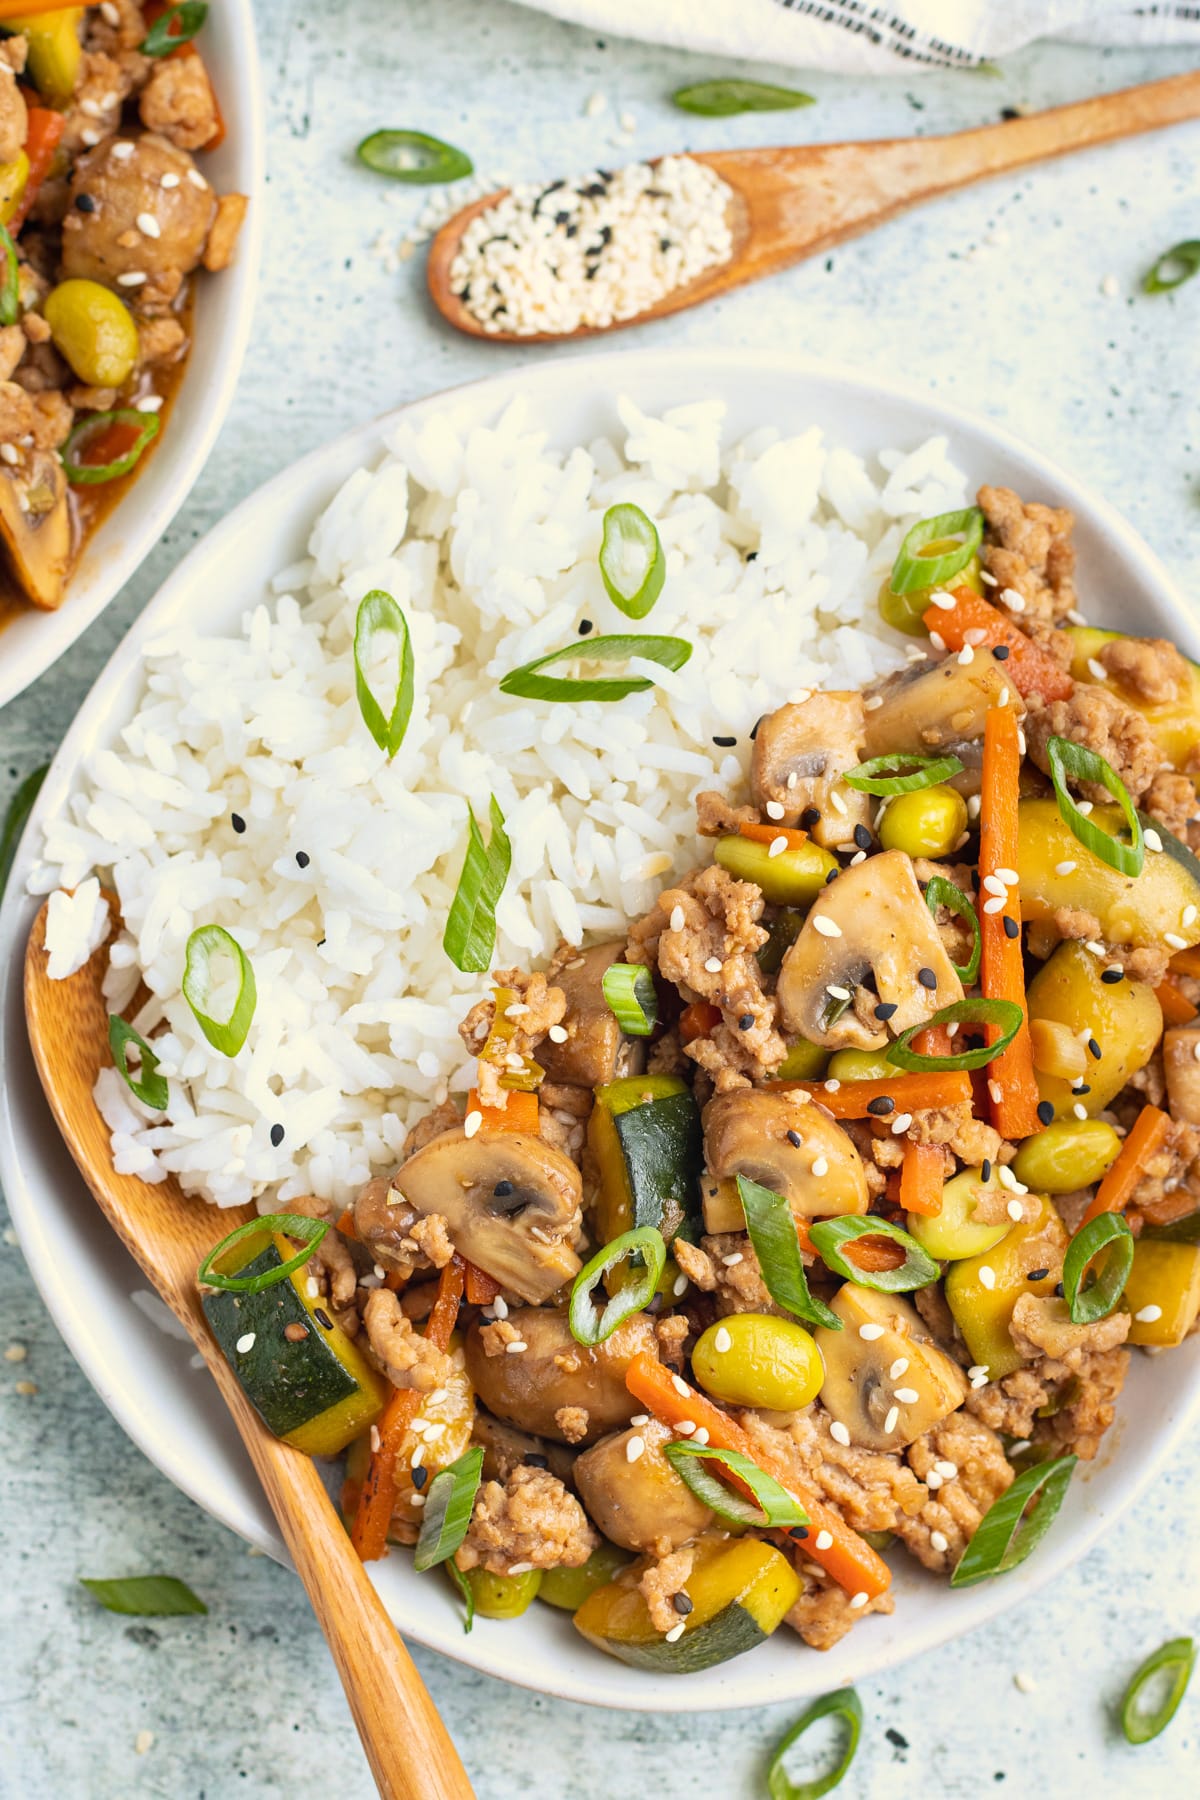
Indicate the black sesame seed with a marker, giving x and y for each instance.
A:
(682, 1602)
(1080, 1087)
(885, 1009)
(927, 978)
(303, 859)
(420, 1476)
(746, 1021)
(832, 876)
(725, 743)
(882, 1106)
(85, 203)
(1045, 1112)
(1011, 928)
(1011, 112)
(277, 1135)
(799, 1532)
(810, 816)
(585, 625)
(752, 556)
(1095, 1049)
(985, 1173)
(664, 244)
(238, 823)
(895, 1737)
(757, 723)
(862, 837)
(1060, 1291)
(794, 1139)
(537, 1461)
(502, 1189)
(1037, 1274)
(1110, 977)
(322, 1318)
(1001, 652)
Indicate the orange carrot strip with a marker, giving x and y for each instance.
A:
(27, 9)
(851, 1562)
(481, 1288)
(921, 1179)
(766, 834)
(912, 1093)
(42, 137)
(346, 1224)
(1177, 1009)
(521, 1113)
(378, 1498)
(1012, 1084)
(697, 1020)
(1186, 962)
(1031, 670)
(1145, 1138)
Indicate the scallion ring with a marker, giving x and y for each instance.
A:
(16, 819)
(1007, 1534)
(844, 1704)
(940, 892)
(722, 99)
(449, 1504)
(772, 1505)
(1186, 259)
(379, 617)
(1107, 1231)
(293, 1225)
(591, 1324)
(414, 156)
(1174, 1661)
(1073, 760)
(173, 28)
(207, 944)
(923, 772)
(632, 563)
(10, 285)
(772, 1228)
(629, 990)
(144, 1596)
(1006, 1014)
(149, 1087)
(470, 935)
(918, 1269)
(528, 682)
(911, 570)
(119, 437)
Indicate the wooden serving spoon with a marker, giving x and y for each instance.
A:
(799, 200)
(407, 1745)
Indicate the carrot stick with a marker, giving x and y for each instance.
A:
(346, 1224)
(851, 1562)
(1031, 670)
(521, 1113)
(481, 1288)
(697, 1020)
(1186, 962)
(1146, 1136)
(911, 1093)
(378, 1499)
(921, 1179)
(1177, 1009)
(1012, 1084)
(42, 137)
(766, 834)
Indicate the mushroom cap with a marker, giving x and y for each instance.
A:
(36, 537)
(596, 1049)
(554, 1371)
(859, 1388)
(930, 706)
(746, 1133)
(641, 1505)
(811, 744)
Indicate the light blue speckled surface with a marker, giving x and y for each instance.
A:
(994, 297)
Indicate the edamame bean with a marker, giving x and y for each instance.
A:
(757, 1359)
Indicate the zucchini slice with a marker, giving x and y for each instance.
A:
(1137, 910)
(644, 1133)
(318, 1392)
(1174, 723)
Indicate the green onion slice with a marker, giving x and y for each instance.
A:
(631, 560)
(629, 990)
(150, 1087)
(721, 99)
(466, 1590)
(380, 617)
(917, 1270)
(845, 1705)
(940, 892)
(911, 570)
(973, 1011)
(772, 1504)
(528, 683)
(1008, 1533)
(448, 1509)
(776, 1243)
(10, 284)
(470, 935)
(293, 1225)
(924, 771)
(178, 26)
(145, 1596)
(1068, 759)
(134, 429)
(414, 156)
(206, 944)
(1107, 1231)
(1174, 1661)
(591, 1324)
(1185, 258)
(16, 819)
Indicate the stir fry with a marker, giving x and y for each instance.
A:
(818, 1216)
(105, 218)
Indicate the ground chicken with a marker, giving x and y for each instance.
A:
(497, 1335)
(408, 1359)
(661, 1582)
(1171, 799)
(1028, 547)
(667, 1055)
(95, 113)
(738, 1286)
(871, 1490)
(1102, 722)
(1150, 670)
(823, 1613)
(160, 340)
(572, 1421)
(177, 102)
(972, 1140)
(1089, 1396)
(1169, 1184)
(949, 1519)
(1141, 962)
(528, 1519)
(538, 1006)
(1010, 1405)
(672, 1333)
(16, 412)
(717, 816)
(222, 239)
(432, 1237)
(13, 344)
(14, 115)
(52, 420)
(934, 1309)
(331, 1259)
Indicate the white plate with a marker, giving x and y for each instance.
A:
(224, 309)
(173, 1413)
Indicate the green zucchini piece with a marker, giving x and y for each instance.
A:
(317, 1393)
(645, 1135)
(1139, 910)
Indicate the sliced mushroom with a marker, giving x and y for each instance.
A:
(505, 1449)
(801, 753)
(869, 935)
(35, 526)
(511, 1203)
(642, 1504)
(786, 1144)
(866, 1389)
(596, 1049)
(931, 705)
(1180, 1048)
(528, 1388)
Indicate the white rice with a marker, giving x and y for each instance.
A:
(489, 541)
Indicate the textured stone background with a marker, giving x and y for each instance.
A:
(1000, 297)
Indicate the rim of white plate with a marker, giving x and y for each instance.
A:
(539, 1651)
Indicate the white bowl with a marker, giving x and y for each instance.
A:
(31, 641)
(174, 1413)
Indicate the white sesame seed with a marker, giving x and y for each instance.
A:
(976, 1369)
(131, 278)
(677, 920)
(996, 1092)
(680, 1287)
(170, 180)
(681, 1387)
(194, 176)
(947, 1470)
(1080, 1110)
(995, 904)
(558, 1034)
(774, 809)
(944, 601)
(1065, 868)
(471, 1124)
(676, 1632)
(985, 575)
(89, 138)
(714, 965)
(731, 1261)
(839, 1433)
(1148, 1314)
(150, 403)
(1024, 1683)
(148, 225)
(966, 655)
(1003, 700)
(992, 884)
(312, 1287)
(838, 993)
(937, 640)
(821, 1166)
(1009, 877)
(832, 1086)
(1152, 839)
(640, 1419)
(980, 1381)
(722, 1341)
(939, 1542)
(1084, 806)
(974, 806)
(860, 856)
(858, 1600)
(898, 1368)
(700, 1435)
(777, 846)
(516, 1347)
(801, 697)
(245, 1343)
(635, 1448)
(121, 149)
(837, 803)
(1196, 1050)
(873, 703)
(1011, 598)
(500, 1306)
(1015, 1211)
(417, 1500)
(1097, 669)
(595, 105)
(975, 636)
(10, 453)
(891, 1421)
(987, 1277)
(520, 1568)
(826, 926)
(1176, 942)
(933, 1480)
(686, 1427)
(907, 1396)
(901, 1123)
(869, 1333)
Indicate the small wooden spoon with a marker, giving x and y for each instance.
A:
(407, 1745)
(801, 199)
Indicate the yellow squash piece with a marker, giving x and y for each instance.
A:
(1122, 1018)
(984, 1312)
(55, 51)
(1165, 1275)
(1056, 871)
(13, 177)
(1175, 723)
